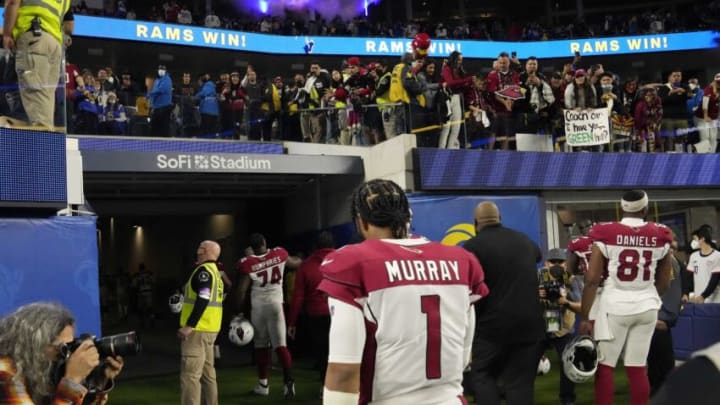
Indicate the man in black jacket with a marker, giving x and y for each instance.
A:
(509, 321)
(674, 103)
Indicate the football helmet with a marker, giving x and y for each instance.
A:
(543, 366)
(580, 359)
(420, 45)
(175, 302)
(241, 331)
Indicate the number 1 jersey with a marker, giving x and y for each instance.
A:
(266, 272)
(633, 249)
(415, 296)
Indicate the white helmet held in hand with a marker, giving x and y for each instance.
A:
(543, 366)
(580, 359)
(175, 302)
(241, 331)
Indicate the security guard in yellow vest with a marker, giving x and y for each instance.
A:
(34, 29)
(405, 89)
(200, 320)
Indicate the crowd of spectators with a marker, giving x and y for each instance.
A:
(439, 101)
(680, 18)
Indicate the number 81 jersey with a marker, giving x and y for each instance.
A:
(266, 272)
(633, 249)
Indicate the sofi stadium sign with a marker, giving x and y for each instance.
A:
(131, 30)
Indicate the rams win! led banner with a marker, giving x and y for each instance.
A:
(144, 31)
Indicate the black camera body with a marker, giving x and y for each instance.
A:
(552, 290)
(123, 344)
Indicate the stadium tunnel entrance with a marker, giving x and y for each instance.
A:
(148, 215)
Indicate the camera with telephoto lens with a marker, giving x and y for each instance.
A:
(123, 344)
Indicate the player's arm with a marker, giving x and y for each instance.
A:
(243, 286)
(593, 277)
(663, 274)
(346, 344)
(202, 285)
(469, 335)
(293, 262)
(712, 285)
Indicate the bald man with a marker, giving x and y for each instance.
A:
(509, 321)
(200, 321)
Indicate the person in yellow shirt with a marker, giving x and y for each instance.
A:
(33, 29)
(200, 320)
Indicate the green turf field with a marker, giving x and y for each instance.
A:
(235, 385)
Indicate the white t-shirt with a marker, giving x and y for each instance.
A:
(703, 267)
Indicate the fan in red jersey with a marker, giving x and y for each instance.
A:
(402, 319)
(635, 256)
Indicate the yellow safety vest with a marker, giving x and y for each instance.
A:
(385, 97)
(212, 317)
(275, 100)
(49, 12)
(398, 93)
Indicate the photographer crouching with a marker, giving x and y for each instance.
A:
(42, 363)
(560, 294)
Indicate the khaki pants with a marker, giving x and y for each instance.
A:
(197, 368)
(38, 64)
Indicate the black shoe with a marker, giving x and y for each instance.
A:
(289, 389)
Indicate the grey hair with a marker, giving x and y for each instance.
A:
(24, 337)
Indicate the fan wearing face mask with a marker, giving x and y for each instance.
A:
(160, 97)
(704, 266)
(560, 294)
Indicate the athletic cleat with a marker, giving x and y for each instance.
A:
(289, 389)
(261, 389)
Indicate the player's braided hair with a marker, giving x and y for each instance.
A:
(384, 204)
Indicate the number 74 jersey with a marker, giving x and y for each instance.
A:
(633, 248)
(266, 272)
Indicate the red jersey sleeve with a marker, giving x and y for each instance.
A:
(456, 84)
(342, 276)
(242, 266)
(281, 253)
(478, 288)
(598, 234)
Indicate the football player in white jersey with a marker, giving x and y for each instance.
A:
(634, 256)
(262, 273)
(402, 320)
(704, 264)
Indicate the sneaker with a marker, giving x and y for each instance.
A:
(261, 389)
(289, 389)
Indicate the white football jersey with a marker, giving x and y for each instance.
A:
(703, 267)
(633, 249)
(415, 296)
(266, 272)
